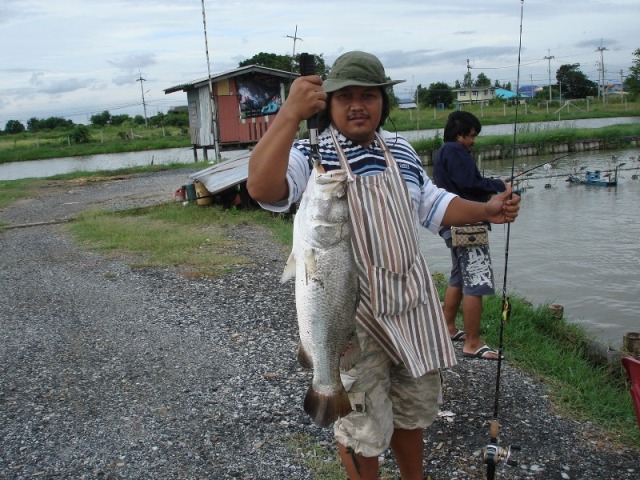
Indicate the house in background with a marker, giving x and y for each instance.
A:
(475, 95)
(244, 101)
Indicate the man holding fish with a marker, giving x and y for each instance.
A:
(370, 321)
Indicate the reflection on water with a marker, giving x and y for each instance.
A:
(576, 245)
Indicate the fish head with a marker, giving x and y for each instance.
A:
(326, 209)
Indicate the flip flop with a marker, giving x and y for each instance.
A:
(458, 337)
(482, 353)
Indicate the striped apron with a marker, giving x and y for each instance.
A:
(399, 304)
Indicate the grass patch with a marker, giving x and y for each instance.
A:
(323, 460)
(13, 190)
(160, 239)
(189, 237)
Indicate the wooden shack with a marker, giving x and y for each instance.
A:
(244, 100)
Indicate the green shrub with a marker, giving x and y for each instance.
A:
(81, 134)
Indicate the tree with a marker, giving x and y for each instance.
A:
(14, 126)
(482, 81)
(506, 86)
(81, 134)
(119, 119)
(632, 82)
(283, 62)
(573, 83)
(177, 118)
(467, 81)
(101, 119)
(437, 93)
(35, 125)
(157, 120)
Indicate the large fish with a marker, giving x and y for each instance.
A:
(326, 291)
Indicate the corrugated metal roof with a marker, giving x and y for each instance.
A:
(501, 92)
(223, 175)
(229, 74)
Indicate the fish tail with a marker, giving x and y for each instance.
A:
(325, 409)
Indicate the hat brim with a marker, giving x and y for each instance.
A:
(330, 85)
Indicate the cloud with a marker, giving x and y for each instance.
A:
(36, 78)
(130, 67)
(133, 62)
(66, 85)
(126, 79)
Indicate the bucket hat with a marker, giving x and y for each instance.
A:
(356, 69)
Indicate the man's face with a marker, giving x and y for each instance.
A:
(356, 112)
(468, 140)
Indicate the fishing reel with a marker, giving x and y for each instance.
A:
(494, 454)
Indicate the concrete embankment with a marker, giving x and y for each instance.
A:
(499, 151)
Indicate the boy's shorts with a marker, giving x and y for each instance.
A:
(471, 270)
(384, 396)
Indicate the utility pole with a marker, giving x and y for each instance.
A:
(295, 38)
(601, 49)
(549, 57)
(144, 105)
(214, 113)
(470, 84)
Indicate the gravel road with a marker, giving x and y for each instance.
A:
(114, 372)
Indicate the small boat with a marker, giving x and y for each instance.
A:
(595, 178)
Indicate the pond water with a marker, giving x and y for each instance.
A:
(96, 163)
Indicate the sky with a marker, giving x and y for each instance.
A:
(77, 58)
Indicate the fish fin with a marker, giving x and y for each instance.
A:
(304, 359)
(350, 355)
(289, 269)
(326, 409)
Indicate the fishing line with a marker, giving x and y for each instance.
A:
(493, 453)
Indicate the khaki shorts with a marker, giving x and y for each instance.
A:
(384, 396)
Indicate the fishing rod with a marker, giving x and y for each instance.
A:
(308, 67)
(493, 453)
